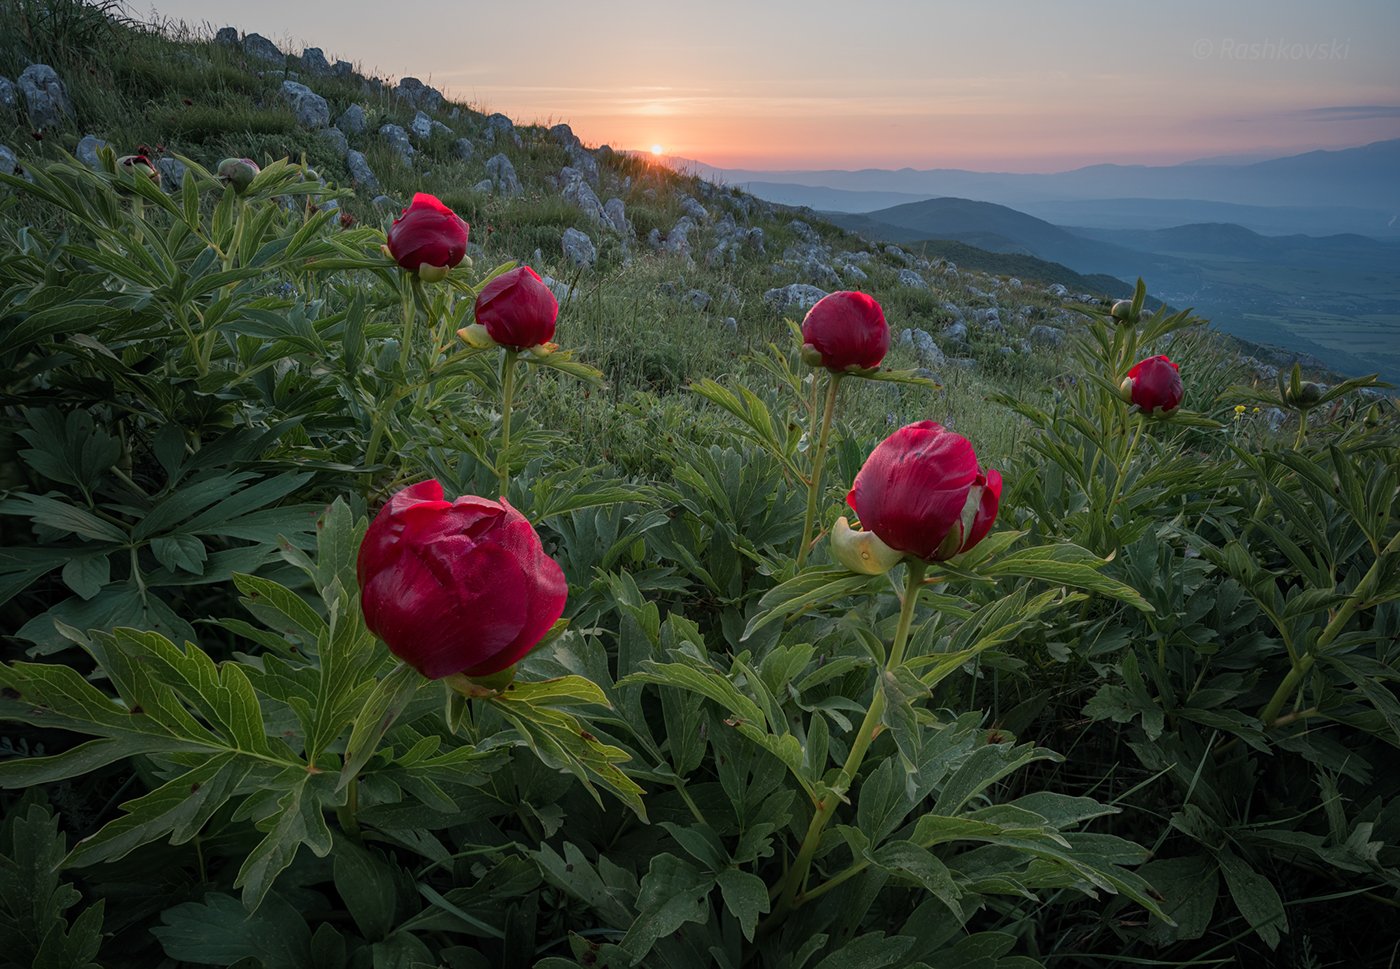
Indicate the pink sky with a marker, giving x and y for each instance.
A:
(1016, 85)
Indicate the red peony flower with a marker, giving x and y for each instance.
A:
(518, 309)
(1154, 385)
(922, 492)
(845, 331)
(428, 234)
(456, 586)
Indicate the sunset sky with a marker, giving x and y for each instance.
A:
(1005, 85)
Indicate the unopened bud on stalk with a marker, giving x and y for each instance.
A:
(475, 335)
(138, 165)
(1123, 311)
(238, 173)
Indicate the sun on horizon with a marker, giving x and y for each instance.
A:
(657, 150)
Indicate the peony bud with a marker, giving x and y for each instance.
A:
(1154, 385)
(138, 165)
(428, 238)
(458, 586)
(845, 331)
(922, 492)
(1123, 311)
(518, 309)
(238, 173)
(861, 551)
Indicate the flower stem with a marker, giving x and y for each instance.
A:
(1270, 714)
(1302, 430)
(814, 485)
(507, 398)
(865, 734)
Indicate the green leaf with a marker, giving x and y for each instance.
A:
(297, 818)
(219, 932)
(745, 895)
(366, 885)
(87, 574)
(807, 589)
(1065, 564)
(560, 691)
(673, 893)
(391, 696)
(1255, 897)
(874, 950)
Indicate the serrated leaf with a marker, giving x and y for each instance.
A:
(746, 897)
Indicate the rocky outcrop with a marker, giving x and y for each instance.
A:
(397, 139)
(798, 296)
(310, 109)
(352, 120)
(256, 45)
(361, 175)
(45, 97)
(578, 248)
(502, 175)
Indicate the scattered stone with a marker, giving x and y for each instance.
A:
(1051, 336)
(227, 36)
(907, 277)
(484, 186)
(1058, 290)
(463, 149)
(578, 248)
(805, 232)
(310, 108)
(955, 332)
(498, 127)
(678, 239)
(398, 141)
(1014, 283)
(854, 273)
(256, 45)
(900, 254)
(578, 192)
(1276, 417)
(9, 164)
(343, 69)
(730, 324)
(383, 202)
(313, 61)
(563, 134)
(87, 151)
(694, 209)
(616, 212)
(502, 174)
(697, 299)
(9, 100)
(172, 173)
(361, 175)
(797, 296)
(422, 96)
(421, 126)
(44, 96)
(337, 140)
(926, 350)
(352, 120)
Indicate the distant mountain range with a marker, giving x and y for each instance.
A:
(1320, 192)
(1336, 297)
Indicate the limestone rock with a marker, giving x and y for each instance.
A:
(227, 36)
(313, 61)
(45, 97)
(337, 140)
(616, 212)
(797, 296)
(352, 120)
(500, 129)
(422, 96)
(907, 277)
(361, 175)
(310, 108)
(463, 149)
(1051, 336)
(578, 248)
(398, 141)
(87, 151)
(502, 174)
(9, 99)
(172, 173)
(256, 45)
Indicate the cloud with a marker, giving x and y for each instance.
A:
(1352, 112)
